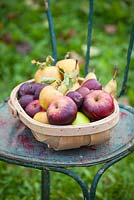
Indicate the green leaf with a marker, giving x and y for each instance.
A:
(74, 74)
(48, 80)
(68, 81)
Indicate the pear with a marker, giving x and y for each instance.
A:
(90, 75)
(46, 71)
(62, 88)
(75, 86)
(81, 119)
(68, 65)
(47, 95)
(111, 86)
(41, 117)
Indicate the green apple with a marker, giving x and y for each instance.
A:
(80, 119)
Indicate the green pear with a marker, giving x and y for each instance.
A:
(80, 119)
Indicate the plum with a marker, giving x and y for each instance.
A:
(29, 88)
(25, 100)
(83, 90)
(38, 90)
(92, 84)
(24, 89)
(76, 97)
(33, 107)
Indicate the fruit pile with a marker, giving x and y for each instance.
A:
(58, 96)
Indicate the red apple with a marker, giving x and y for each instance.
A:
(92, 84)
(83, 90)
(62, 111)
(76, 97)
(33, 107)
(97, 105)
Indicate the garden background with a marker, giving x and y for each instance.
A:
(24, 36)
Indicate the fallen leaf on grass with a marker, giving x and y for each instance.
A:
(110, 28)
(23, 47)
(6, 38)
(94, 51)
(76, 56)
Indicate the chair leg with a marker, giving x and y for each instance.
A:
(101, 171)
(45, 184)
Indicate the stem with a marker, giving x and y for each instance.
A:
(39, 64)
(76, 63)
(116, 70)
(67, 56)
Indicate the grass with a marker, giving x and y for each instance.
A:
(23, 183)
(24, 36)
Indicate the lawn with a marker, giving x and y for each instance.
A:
(24, 36)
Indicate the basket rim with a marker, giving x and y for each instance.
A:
(63, 130)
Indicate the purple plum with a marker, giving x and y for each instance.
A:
(83, 91)
(92, 84)
(38, 90)
(25, 100)
(76, 97)
(33, 107)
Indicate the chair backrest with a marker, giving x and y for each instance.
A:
(89, 35)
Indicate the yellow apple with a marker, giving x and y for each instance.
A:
(41, 117)
(81, 119)
(47, 95)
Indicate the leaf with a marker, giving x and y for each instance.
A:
(7, 38)
(68, 81)
(74, 74)
(48, 80)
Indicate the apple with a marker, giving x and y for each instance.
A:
(97, 105)
(41, 117)
(80, 119)
(76, 97)
(47, 95)
(25, 100)
(92, 84)
(83, 90)
(33, 107)
(62, 111)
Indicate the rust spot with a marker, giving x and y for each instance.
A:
(20, 126)
(26, 142)
(123, 114)
(3, 122)
(42, 151)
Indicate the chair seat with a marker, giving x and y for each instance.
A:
(18, 146)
